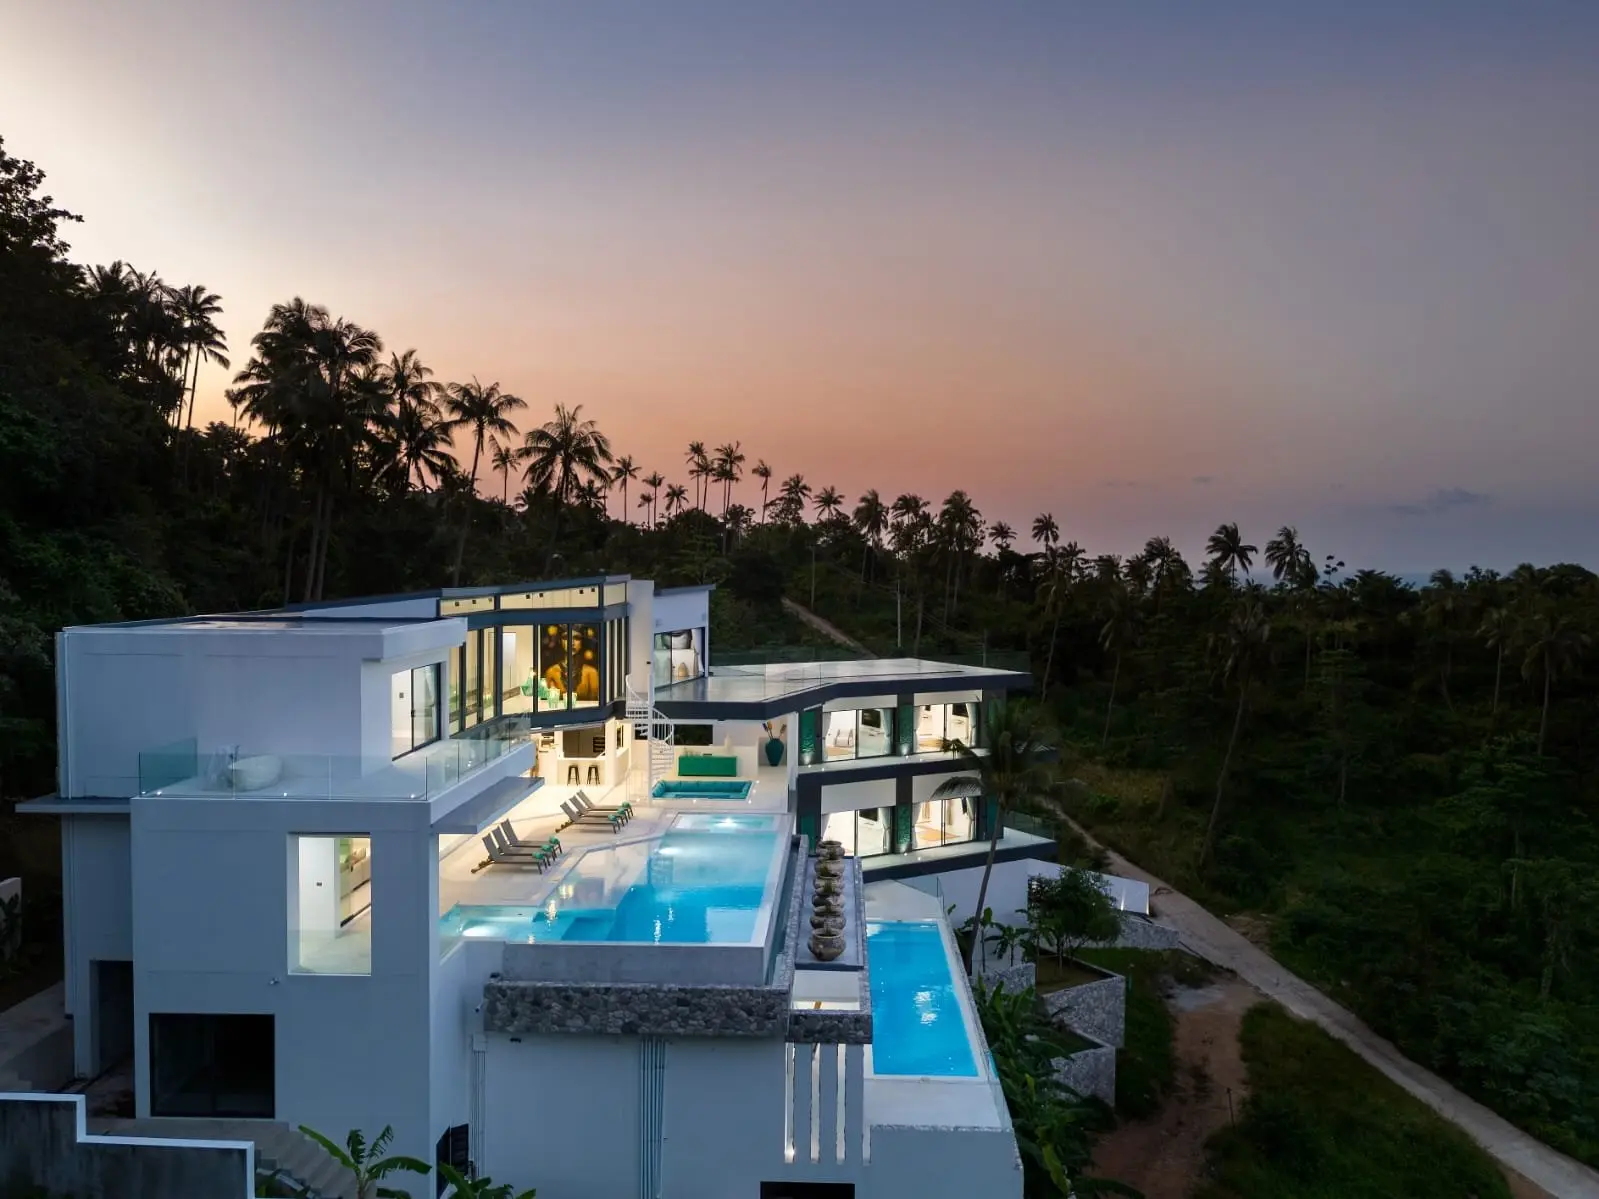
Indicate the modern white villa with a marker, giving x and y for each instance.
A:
(321, 866)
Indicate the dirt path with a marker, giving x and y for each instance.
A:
(826, 628)
(1164, 1157)
(1549, 1172)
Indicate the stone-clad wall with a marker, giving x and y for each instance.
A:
(1097, 1009)
(1089, 1072)
(1020, 976)
(1140, 932)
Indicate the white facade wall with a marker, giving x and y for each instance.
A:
(211, 919)
(640, 637)
(1007, 889)
(850, 797)
(97, 917)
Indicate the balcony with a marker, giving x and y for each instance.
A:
(183, 770)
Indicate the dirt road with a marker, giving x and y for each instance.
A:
(1536, 1163)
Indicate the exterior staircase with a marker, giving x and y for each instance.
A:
(297, 1164)
(657, 730)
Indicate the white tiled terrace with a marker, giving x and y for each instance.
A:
(539, 816)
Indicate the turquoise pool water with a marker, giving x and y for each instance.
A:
(702, 885)
(702, 789)
(917, 1025)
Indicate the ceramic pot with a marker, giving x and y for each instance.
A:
(827, 922)
(774, 752)
(826, 946)
(827, 887)
(827, 906)
(829, 850)
(829, 868)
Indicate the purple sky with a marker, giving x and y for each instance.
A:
(1149, 267)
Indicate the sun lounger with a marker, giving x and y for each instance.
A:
(613, 821)
(584, 804)
(521, 861)
(550, 845)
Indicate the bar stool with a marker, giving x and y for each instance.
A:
(571, 774)
(594, 773)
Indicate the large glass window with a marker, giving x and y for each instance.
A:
(554, 686)
(330, 904)
(943, 822)
(472, 703)
(678, 656)
(865, 833)
(489, 643)
(939, 724)
(210, 1065)
(413, 708)
(858, 733)
(585, 666)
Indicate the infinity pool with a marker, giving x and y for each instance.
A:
(918, 1027)
(705, 882)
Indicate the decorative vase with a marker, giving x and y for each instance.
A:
(827, 906)
(826, 946)
(827, 922)
(829, 850)
(774, 752)
(829, 868)
(827, 887)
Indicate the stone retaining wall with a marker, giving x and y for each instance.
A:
(1021, 976)
(1089, 1072)
(1140, 932)
(1096, 1009)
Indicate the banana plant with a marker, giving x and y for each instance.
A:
(366, 1163)
(462, 1187)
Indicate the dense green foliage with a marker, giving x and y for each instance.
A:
(1401, 781)
(1319, 1124)
(1054, 1128)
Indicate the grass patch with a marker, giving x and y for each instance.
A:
(1145, 1065)
(1053, 975)
(1321, 1124)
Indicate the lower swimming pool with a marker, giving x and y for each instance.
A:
(918, 1027)
(702, 789)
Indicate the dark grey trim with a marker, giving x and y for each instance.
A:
(707, 587)
(822, 693)
(1043, 851)
(81, 805)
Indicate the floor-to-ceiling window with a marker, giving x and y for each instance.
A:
(212, 1065)
(585, 639)
(943, 822)
(413, 709)
(678, 656)
(330, 904)
(939, 724)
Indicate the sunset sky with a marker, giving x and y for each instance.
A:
(1149, 266)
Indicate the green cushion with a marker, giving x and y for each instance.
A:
(708, 766)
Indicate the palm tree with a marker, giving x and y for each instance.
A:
(791, 499)
(366, 1163)
(624, 470)
(699, 467)
(1498, 633)
(829, 503)
(728, 469)
(654, 481)
(871, 520)
(486, 412)
(1554, 646)
(1001, 534)
(1239, 646)
(1045, 531)
(1439, 608)
(505, 459)
(1289, 559)
(422, 443)
(1010, 772)
(562, 453)
(1118, 634)
(763, 472)
(646, 500)
(1227, 550)
(960, 525)
(676, 499)
(196, 310)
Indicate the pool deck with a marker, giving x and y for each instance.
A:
(932, 1102)
(540, 816)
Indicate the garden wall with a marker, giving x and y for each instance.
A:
(1090, 1072)
(1097, 1009)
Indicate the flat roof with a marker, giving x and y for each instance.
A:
(769, 685)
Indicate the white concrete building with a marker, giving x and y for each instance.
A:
(279, 900)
